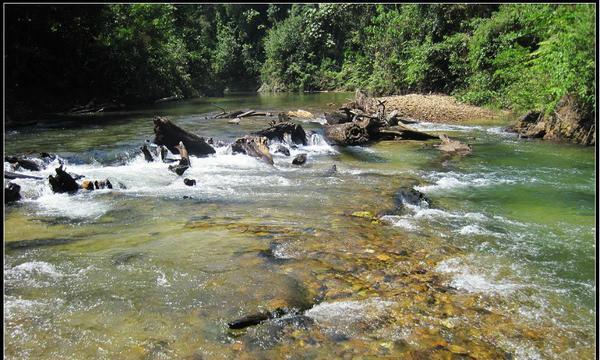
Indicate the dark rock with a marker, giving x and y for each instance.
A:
(12, 193)
(299, 159)
(410, 196)
(189, 182)
(178, 169)
(283, 150)
(102, 184)
(27, 164)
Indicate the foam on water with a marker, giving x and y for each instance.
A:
(445, 181)
(465, 278)
(221, 175)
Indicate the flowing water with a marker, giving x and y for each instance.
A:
(498, 263)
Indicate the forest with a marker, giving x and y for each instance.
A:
(505, 56)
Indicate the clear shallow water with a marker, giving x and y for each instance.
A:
(499, 262)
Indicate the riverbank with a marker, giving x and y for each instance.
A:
(439, 109)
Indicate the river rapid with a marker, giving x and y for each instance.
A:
(498, 263)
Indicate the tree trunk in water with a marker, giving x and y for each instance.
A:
(169, 135)
(62, 182)
(253, 146)
(350, 133)
(283, 126)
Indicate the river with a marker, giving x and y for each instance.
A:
(499, 263)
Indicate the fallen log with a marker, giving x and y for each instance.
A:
(169, 135)
(283, 126)
(13, 175)
(338, 117)
(12, 193)
(62, 182)
(399, 132)
(350, 133)
(255, 146)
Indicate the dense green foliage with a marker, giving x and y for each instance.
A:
(519, 56)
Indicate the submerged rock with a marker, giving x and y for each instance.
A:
(453, 146)
(299, 159)
(282, 149)
(410, 196)
(331, 171)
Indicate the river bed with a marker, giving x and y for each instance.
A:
(499, 263)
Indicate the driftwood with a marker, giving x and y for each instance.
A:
(364, 120)
(147, 154)
(184, 162)
(278, 129)
(62, 182)
(169, 98)
(13, 175)
(12, 193)
(239, 114)
(92, 107)
(453, 146)
(350, 133)
(169, 135)
(255, 146)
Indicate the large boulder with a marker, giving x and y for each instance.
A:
(569, 122)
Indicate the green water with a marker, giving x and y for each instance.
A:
(500, 263)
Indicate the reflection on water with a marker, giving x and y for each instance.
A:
(497, 264)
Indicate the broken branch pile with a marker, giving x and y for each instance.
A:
(364, 120)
